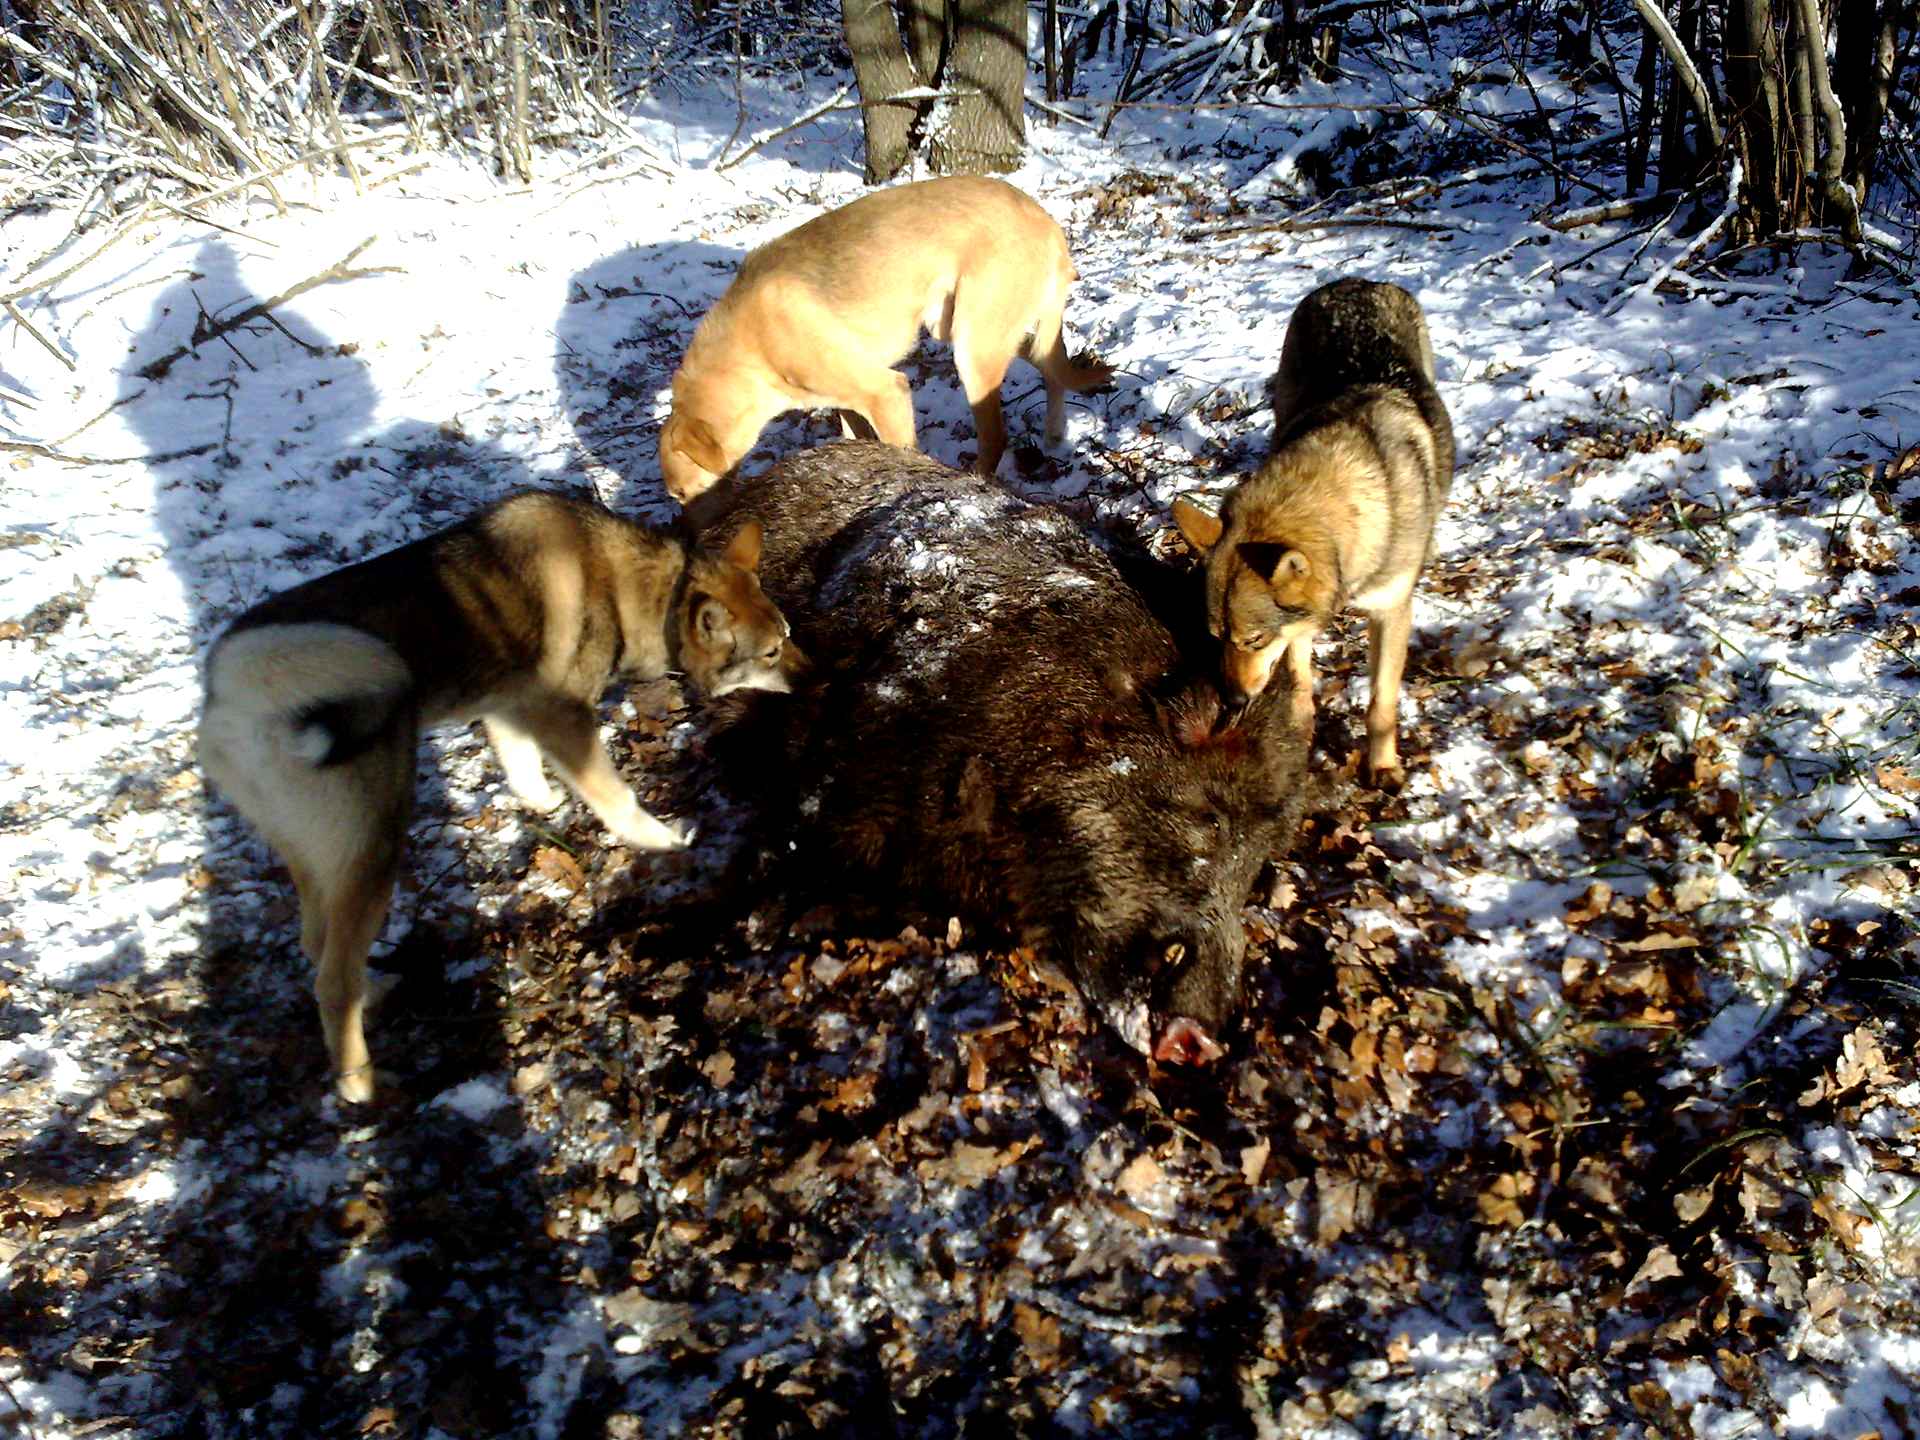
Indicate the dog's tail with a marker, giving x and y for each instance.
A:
(317, 694)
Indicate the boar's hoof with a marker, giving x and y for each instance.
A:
(1186, 1042)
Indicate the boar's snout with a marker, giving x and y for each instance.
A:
(1191, 983)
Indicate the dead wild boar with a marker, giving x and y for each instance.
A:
(995, 724)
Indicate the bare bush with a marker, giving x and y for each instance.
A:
(100, 98)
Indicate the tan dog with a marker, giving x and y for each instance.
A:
(1342, 513)
(818, 318)
(520, 617)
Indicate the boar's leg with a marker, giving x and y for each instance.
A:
(1387, 634)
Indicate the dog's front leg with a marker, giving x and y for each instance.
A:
(569, 732)
(519, 756)
(887, 405)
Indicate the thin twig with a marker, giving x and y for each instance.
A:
(34, 330)
(45, 282)
(47, 452)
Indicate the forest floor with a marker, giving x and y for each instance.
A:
(1576, 1094)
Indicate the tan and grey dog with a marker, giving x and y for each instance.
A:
(1342, 513)
(519, 617)
(818, 318)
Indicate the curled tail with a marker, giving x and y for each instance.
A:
(321, 694)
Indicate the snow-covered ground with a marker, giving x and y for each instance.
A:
(1577, 1089)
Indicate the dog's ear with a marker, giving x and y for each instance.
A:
(744, 548)
(1202, 528)
(1275, 564)
(696, 440)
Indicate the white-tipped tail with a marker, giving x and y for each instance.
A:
(264, 683)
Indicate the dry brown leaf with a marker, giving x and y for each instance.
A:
(1693, 892)
(1345, 1205)
(1142, 1178)
(1825, 1295)
(967, 1164)
(557, 865)
(718, 1068)
(1659, 1265)
(1253, 1162)
(1899, 779)
(1690, 1205)
(1591, 905)
(1661, 940)
(1862, 1062)
(1500, 1202)
(853, 1093)
(1851, 1228)
(1038, 1331)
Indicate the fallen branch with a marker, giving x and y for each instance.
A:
(1694, 246)
(341, 270)
(831, 103)
(1638, 207)
(1297, 224)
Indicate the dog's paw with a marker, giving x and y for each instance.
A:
(355, 1086)
(540, 796)
(646, 832)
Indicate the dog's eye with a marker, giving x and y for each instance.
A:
(1250, 642)
(771, 653)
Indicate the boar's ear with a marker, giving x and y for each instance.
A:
(744, 548)
(1190, 716)
(1273, 563)
(1201, 528)
(696, 440)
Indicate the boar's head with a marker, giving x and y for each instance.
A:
(998, 724)
(1172, 825)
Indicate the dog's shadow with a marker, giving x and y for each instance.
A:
(313, 1238)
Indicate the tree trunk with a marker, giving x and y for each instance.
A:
(1836, 200)
(882, 70)
(1050, 29)
(1865, 65)
(1753, 94)
(981, 129)
(929, 32)
(1646, 78)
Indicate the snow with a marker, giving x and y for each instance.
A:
(501, 352)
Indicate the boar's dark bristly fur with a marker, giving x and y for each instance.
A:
(995, 724)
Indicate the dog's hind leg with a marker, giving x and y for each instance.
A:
(360, 898)
(313, 908)
(1387, 635)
